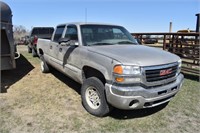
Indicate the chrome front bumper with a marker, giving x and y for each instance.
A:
(138, 97)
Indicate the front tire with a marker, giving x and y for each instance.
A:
(93, 97)
(44, 66)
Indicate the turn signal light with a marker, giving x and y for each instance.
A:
(118, 69)
(119, 79)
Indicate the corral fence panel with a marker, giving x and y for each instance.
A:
(185, 45)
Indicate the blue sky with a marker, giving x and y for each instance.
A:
(135, 15)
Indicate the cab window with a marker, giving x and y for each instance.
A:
(58, 33)
(71, 32)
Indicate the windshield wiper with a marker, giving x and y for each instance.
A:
(126, 42)
(99, 43)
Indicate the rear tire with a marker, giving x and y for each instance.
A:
(93, 97)
(34, 53)
(44, 66)
(29, 50)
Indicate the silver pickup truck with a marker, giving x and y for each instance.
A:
(114, 70)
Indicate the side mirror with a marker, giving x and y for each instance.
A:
(63, 41)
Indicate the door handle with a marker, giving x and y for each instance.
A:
(51, 47)
(60, 49)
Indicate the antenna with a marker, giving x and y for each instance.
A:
(170, 27)
(85, 15)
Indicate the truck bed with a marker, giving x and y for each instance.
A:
(42, 43)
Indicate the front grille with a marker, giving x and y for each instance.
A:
(155, 74)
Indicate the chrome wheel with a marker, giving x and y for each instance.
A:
(92, 97)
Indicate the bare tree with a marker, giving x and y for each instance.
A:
(19, 32)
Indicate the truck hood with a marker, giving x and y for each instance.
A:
(135, 54)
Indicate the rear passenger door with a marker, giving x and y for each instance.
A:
(54, 46)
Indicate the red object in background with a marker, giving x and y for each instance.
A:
(35, 39)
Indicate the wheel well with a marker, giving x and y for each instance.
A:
(41, 52)
(91, 72)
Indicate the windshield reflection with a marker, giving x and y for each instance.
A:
(93, 35)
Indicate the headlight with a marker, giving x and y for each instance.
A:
(127, 70)
(126, 74)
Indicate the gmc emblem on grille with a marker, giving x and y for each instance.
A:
(165, 72)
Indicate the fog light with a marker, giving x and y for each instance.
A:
(132, 80)
(134, 104)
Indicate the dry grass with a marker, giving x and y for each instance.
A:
(51, 103)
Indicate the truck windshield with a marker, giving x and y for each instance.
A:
(105, 35)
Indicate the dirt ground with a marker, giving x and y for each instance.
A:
(50, 103)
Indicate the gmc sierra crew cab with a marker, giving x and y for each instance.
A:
(114, 70)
